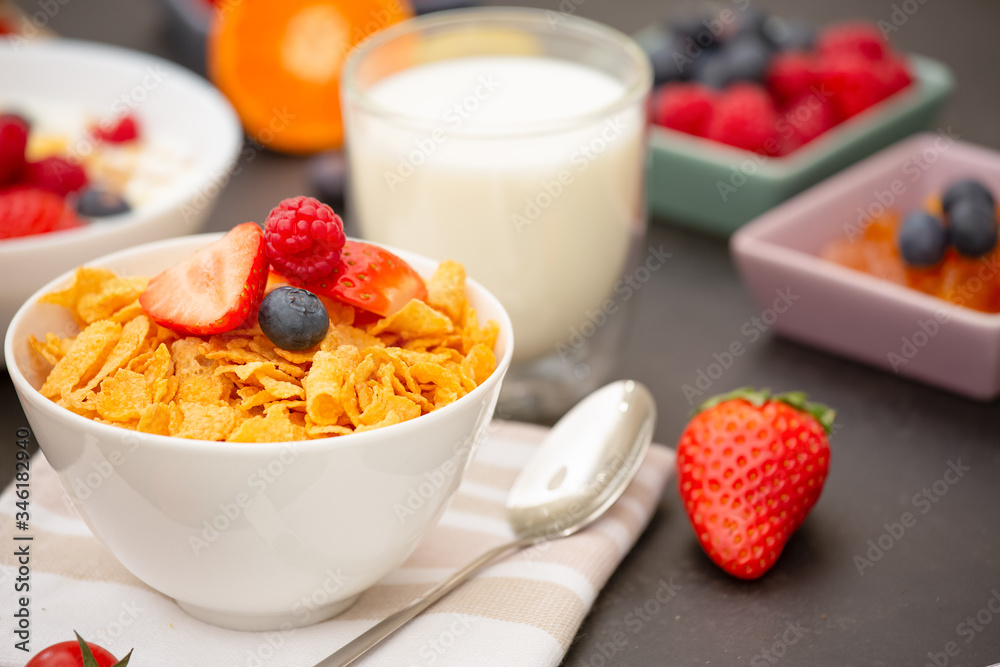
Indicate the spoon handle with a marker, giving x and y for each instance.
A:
(358, 646)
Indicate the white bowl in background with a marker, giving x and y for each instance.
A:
(235, 547)
(173, 104)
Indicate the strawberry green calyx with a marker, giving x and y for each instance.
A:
(823, 414)
(755, 397)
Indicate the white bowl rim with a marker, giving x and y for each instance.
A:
(219, 165)
(170, 441)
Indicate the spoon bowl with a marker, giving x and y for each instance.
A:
(581, 468)
(585, 463)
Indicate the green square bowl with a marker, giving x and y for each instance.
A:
(711, 187)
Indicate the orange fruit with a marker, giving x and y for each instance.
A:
(279, 63)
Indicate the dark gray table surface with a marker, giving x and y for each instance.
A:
(895, 439)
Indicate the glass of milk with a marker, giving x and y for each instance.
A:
(513, 141)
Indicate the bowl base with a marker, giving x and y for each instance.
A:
(265, 622)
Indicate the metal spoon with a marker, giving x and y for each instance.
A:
(580, 470)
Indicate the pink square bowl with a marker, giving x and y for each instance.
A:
(860, 316)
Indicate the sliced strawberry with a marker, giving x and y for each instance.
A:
(215, 289)
(371, 278)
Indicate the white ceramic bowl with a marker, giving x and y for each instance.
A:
(174, 105)
(254, 536)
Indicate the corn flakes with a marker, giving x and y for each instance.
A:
(126, 370)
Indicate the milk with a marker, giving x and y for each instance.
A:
(496, 170)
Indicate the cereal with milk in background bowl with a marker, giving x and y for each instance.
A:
(63, 170)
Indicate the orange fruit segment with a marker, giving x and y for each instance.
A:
(279, 63)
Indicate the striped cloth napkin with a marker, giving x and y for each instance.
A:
(523, 610)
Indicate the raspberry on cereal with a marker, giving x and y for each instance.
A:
(304, 238)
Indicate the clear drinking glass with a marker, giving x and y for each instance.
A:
(513, 141)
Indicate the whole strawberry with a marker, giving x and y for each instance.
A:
(752, 464)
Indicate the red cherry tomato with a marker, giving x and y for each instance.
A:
(67, 654)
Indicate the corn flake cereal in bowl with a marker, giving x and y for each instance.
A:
(125, 369)
(240, 533)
